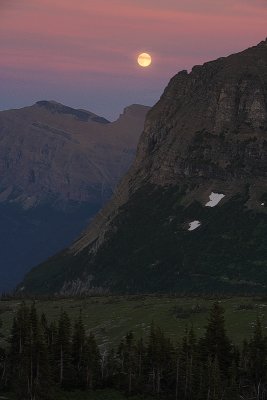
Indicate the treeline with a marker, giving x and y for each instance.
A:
(43, 357)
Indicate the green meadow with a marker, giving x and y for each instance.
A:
(111, 317)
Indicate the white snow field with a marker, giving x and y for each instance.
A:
(215, 198)
(194, 225)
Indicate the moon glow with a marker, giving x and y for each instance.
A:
(144, 60)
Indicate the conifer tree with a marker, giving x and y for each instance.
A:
(18, 356)
(63, 350)
(112, 368)
(160, 354)
(127, 361)
(3, 368)
(215, 388)
(140, 361)
(92, 366)
(40, 379)
(45, 328)
(130, 360)
(216, 344)
(257, 359)
(232, 392)
(187, 365)
(77, 353)
(29, 366)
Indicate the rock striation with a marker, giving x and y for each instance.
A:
(52, 152)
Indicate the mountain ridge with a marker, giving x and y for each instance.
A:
(39, 124)
(207, 134)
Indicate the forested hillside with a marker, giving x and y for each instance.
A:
(44, 358)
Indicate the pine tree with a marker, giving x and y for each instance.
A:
(130, 360)
(63, 350)
(92, 363)
(232, 392)
(112, 369)
(140, 362)
(215, 390)
(151, 357)
(216, 344)
(159, 359)
(77, 352)
(45, 328)
(257, 359)
(187, 364)
(40, 379)
(127, 361)
(29, 368)
(3, 368)
(19, 363)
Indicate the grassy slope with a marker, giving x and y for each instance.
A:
(111, 317)
(227, 254)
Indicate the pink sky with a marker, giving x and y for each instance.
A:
(83, 53)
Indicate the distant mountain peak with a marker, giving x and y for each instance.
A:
(135, 110)
(83, 115)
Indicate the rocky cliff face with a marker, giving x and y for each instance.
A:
(52, 152)
(206, 137)
(58, 166)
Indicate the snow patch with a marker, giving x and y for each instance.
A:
(262, 204)
(215, 198)
(194, 225)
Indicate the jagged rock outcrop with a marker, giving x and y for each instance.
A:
(207, 134)
(58, 167)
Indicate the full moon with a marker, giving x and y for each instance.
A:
(144, 60)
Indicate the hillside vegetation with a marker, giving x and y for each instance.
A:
(110, 317)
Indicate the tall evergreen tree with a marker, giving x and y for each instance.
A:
(130, 360)
(19, 363)
(140, 362)
(63, 350)
(39, 376)
(216, 344)
(160, 354)
(29, 366)
(257, 363)
(78, 353)
(111, 369)
(3, 368)
(92, 363)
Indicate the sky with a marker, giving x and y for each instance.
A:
(83, 53)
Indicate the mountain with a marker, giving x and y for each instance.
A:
(190, 216)
(58, 167)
